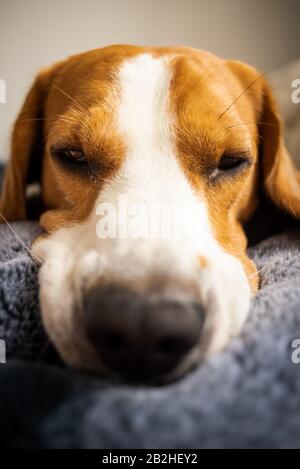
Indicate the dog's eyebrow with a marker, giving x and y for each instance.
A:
(243, 154)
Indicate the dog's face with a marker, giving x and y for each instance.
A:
(176, 129)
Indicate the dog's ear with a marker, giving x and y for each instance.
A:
(281, 178)
(278, 175)
(24, 166)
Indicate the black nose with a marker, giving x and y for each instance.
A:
(137, 337)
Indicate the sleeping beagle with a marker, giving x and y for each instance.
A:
(177, 127)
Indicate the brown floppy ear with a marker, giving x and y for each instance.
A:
(280, 176)
(24, 166)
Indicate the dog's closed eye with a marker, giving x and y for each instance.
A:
(71, 154)
(231, 164)
(71, 159)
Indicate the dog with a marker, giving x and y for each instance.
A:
(174, 126)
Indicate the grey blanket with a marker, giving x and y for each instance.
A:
(247, 396)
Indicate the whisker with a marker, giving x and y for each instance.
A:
(262, 75)
(18, 237)
(259, 270)
(240, 95)
(80, 106)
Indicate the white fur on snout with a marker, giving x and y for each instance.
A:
(76, 258)
(60, 298)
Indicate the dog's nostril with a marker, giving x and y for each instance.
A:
(114, 341)
(173, 345)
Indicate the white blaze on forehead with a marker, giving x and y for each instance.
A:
(144, 121)
(151, 172)
(143, 112)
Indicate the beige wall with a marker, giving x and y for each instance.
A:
(34, 33)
